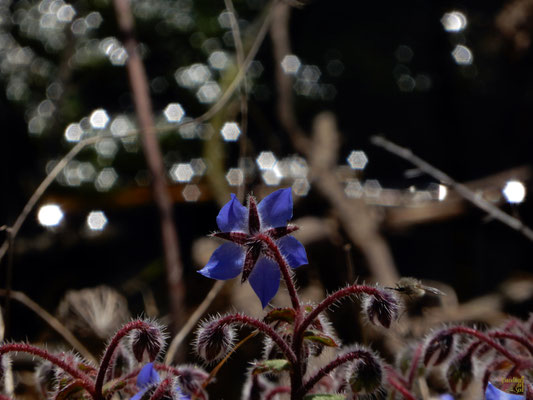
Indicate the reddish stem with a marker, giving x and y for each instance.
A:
(284, 268)
(330, 367)
(414, 364)
(511, 336)
(275, 391)
(400, 388)
(266, 329)
(161, 389)
(520, 362)
(104, 365)
(74, 372)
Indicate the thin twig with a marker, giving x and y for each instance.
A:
(143, 106)
(239, 50)
(461, 189)
(9, 281)
(191, 322)
(52, 321)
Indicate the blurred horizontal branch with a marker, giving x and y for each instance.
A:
(459, 188)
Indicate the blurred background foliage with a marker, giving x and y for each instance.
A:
(450, 80)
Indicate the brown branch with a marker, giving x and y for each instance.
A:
(52, 321)
(462, 190)
(143, 106)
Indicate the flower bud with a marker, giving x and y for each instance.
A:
(45, 378)
(440, 347)
(149, 339)
(214, 340)
(191, 379)
(381, 308)
(365, 375)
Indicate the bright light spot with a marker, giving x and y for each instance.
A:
(99, 119)
(266, 160)
(96, 220)
(301, 186)
(372, 188)
(181, 172)
(443, 192)
(291, 64)
(105, 179)
(271, 177)
(191, 193)
(73, 133)
(224, 20)
(93, 20)
(454, 21)
(218, 60)
(230, 131)
(120, 126)
(174, 112)
(208, 93)
(298, 167)
(357, 159)
(198, 166)
(118, 56)
(106, 148)
(462, 55)
(66, 13)
(50, 215)
(353, 189)
(514, 192)
(235, 176)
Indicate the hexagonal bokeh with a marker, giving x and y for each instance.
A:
(353, 189)
(230, 131)
(357, 159)
(271, 177)
(191, 193)
(181, 172)
(290, 64)
(96, 220)
(235, 176)
(105, 179)
(99, 119)
(174, 112)
(266, 160)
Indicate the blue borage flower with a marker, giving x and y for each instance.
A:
(247, 252)
(148, 377)
(492, 393)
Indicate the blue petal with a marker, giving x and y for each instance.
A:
(182, 396)
(147, 376)
(232, 217)
(265, 279)
(276, 209)
(139, 394)
(493, 393)
(225, 263)
(446, 396)
(293, 251)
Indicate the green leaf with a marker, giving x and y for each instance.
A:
(112, 387)
(320, 338)
(271, 366)
(324, 397)
(280, 314)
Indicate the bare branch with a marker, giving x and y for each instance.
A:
(461, 189)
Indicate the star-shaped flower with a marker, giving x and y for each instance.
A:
(249, 230)
(148, 377)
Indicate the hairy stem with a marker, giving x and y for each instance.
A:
(85, 381)
(261, 326)
(161, 389)
(104, 365)
(511, 336)
(275, 391)
(520, 362)
(414, 364)
(330, 367)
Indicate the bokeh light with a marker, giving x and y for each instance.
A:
(514, 192)
(50, 215)
(96, 220)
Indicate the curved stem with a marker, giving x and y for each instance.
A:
(161, 389)
(267, 330)
(275, 391)
(68, 368)
(307, 386)
(400, 388)
(511, 336)
(284, 268)
(521, 362)
(414, 364)
(104, 365)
